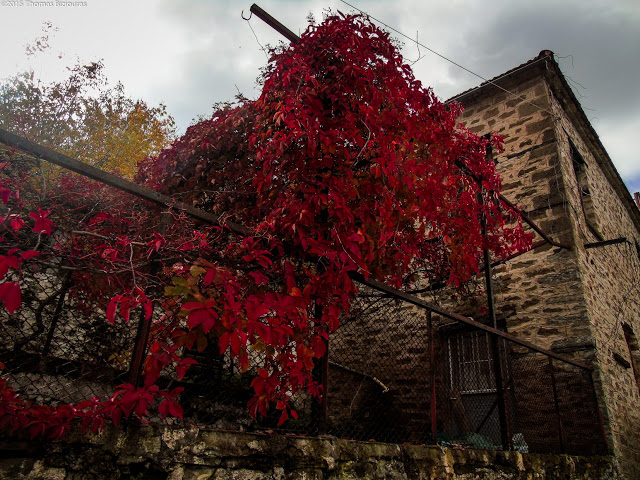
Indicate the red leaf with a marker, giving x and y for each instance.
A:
(283, 417)
(235, 344)
(16, 224)
(163, 409)
(173, 393)
(223, 342)
(5, 193)
(11, 295)
(116, 415)
(183, 366)
(202, 316)
(192, 306)
(111, 309)
(259, 278)
(8, 261)
(244, 362)
(319, 347)
(100, 217)
(176, 410)
(43, 224)
(125, 309)
(29, 254)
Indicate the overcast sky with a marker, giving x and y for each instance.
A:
(190, 54)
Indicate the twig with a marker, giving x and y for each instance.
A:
(97, 235)
(365, 143)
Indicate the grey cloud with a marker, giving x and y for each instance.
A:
(604, 43)
(603, 38)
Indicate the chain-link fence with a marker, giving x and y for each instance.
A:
(55, 352)
(402, 373)
(379, 372)
(59, 348)
(397, 373)
(397, 370)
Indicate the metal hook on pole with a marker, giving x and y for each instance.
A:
(275, 24)
(247, 19)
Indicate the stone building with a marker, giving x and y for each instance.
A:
(580, 298)
(577, 296)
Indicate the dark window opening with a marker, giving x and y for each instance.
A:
(579, 165)
(634, 352)
(584, 192)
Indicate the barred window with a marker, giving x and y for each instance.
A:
(471, 363)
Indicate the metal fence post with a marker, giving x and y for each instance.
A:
(139, 349)
(502, 413)
(319, 408)
(144, 324)
(505, 423)
(506, 389)
(324, 402)
(56, 315)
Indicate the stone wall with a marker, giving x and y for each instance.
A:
(610, 277)
(575, 300)
(164, 453)
(538, 294)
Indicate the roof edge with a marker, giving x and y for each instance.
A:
(502, 78)
(591, 136)
(557, 81)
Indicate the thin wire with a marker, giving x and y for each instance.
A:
(254, 34)
(491, 82)
(567, 56)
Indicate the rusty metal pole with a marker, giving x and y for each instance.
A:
(323, 363)
(275, 24)
(495, 346)
(324, 380)
(488, 270)
(56, 315)
(139, 349)
(144, 325)
(507, 404)
(319, 408)
(502, 411)
(89, 171)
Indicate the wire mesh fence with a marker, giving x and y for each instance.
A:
(401, 373)
(396, 371)
(58, 348)
(53, 351)
(379, 372)
(502, 395)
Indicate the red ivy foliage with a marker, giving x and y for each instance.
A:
(345, 163)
